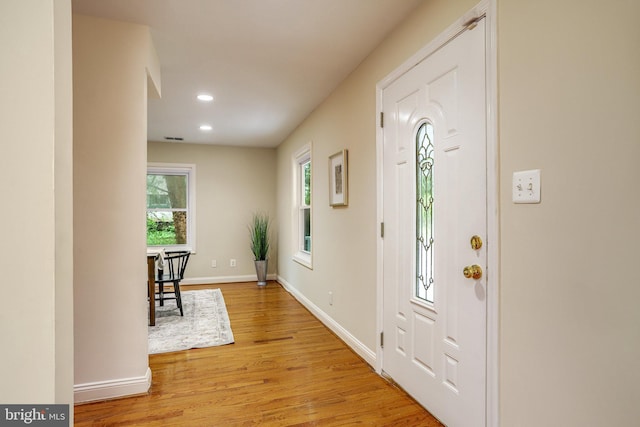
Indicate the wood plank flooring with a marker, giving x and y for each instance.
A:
(284, 369)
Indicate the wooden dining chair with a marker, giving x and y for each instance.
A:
(175, 265)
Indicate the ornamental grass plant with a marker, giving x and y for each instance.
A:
(259, 234)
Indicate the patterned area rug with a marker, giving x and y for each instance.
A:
(205, 323)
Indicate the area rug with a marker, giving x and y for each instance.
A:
(205, 323)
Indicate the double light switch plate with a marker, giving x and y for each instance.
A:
(526, 186)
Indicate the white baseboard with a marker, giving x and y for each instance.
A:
(356, 345)
(224, 279)
(110, 389)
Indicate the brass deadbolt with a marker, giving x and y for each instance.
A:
(476, 242)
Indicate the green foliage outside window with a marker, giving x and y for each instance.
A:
(166, 209)
(307, 183)
(159, 233)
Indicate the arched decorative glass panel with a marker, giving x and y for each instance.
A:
(424, 213)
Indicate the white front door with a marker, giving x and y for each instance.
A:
(434, 203)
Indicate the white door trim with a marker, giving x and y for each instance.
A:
(488, 9)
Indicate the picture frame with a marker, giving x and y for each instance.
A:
(339, 179)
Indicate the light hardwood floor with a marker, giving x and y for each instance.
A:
(284, 369)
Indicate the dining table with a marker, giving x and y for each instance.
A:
(152, 255)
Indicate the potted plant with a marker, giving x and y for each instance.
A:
(259, 234)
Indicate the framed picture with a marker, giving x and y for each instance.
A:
(338, 179)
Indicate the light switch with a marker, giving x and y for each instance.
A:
(526, 186)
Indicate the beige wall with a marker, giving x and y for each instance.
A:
(63, 166)
(231, 184)
(569, 96)
(36, 255)
(111, 61)
(344, 239)
(569, 105)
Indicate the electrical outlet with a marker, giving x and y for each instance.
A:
(330, 298)
(232, 263)
(214, 263)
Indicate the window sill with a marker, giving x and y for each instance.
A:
(304, 259)
(170, 248)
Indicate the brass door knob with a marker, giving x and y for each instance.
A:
(472, 272)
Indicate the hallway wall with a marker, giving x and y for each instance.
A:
(569, 95)
(569, 105)
(344, 239)
(111, 64)
(36, 257)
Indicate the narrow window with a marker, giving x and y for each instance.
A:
(170, 202)
(305, 207)
(302, 180)
(424, 213)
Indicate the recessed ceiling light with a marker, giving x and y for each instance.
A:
(205, 127)
(204, 97)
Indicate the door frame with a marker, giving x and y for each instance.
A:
(488, 9)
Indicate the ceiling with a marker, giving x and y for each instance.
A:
(267, 63)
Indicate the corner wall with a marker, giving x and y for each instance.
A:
(111, 61)
(231, 184)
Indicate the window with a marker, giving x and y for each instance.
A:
(170, 206)
(424, 213)
(302, 191)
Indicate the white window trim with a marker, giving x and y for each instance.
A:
(300, 256)
(190, 170)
